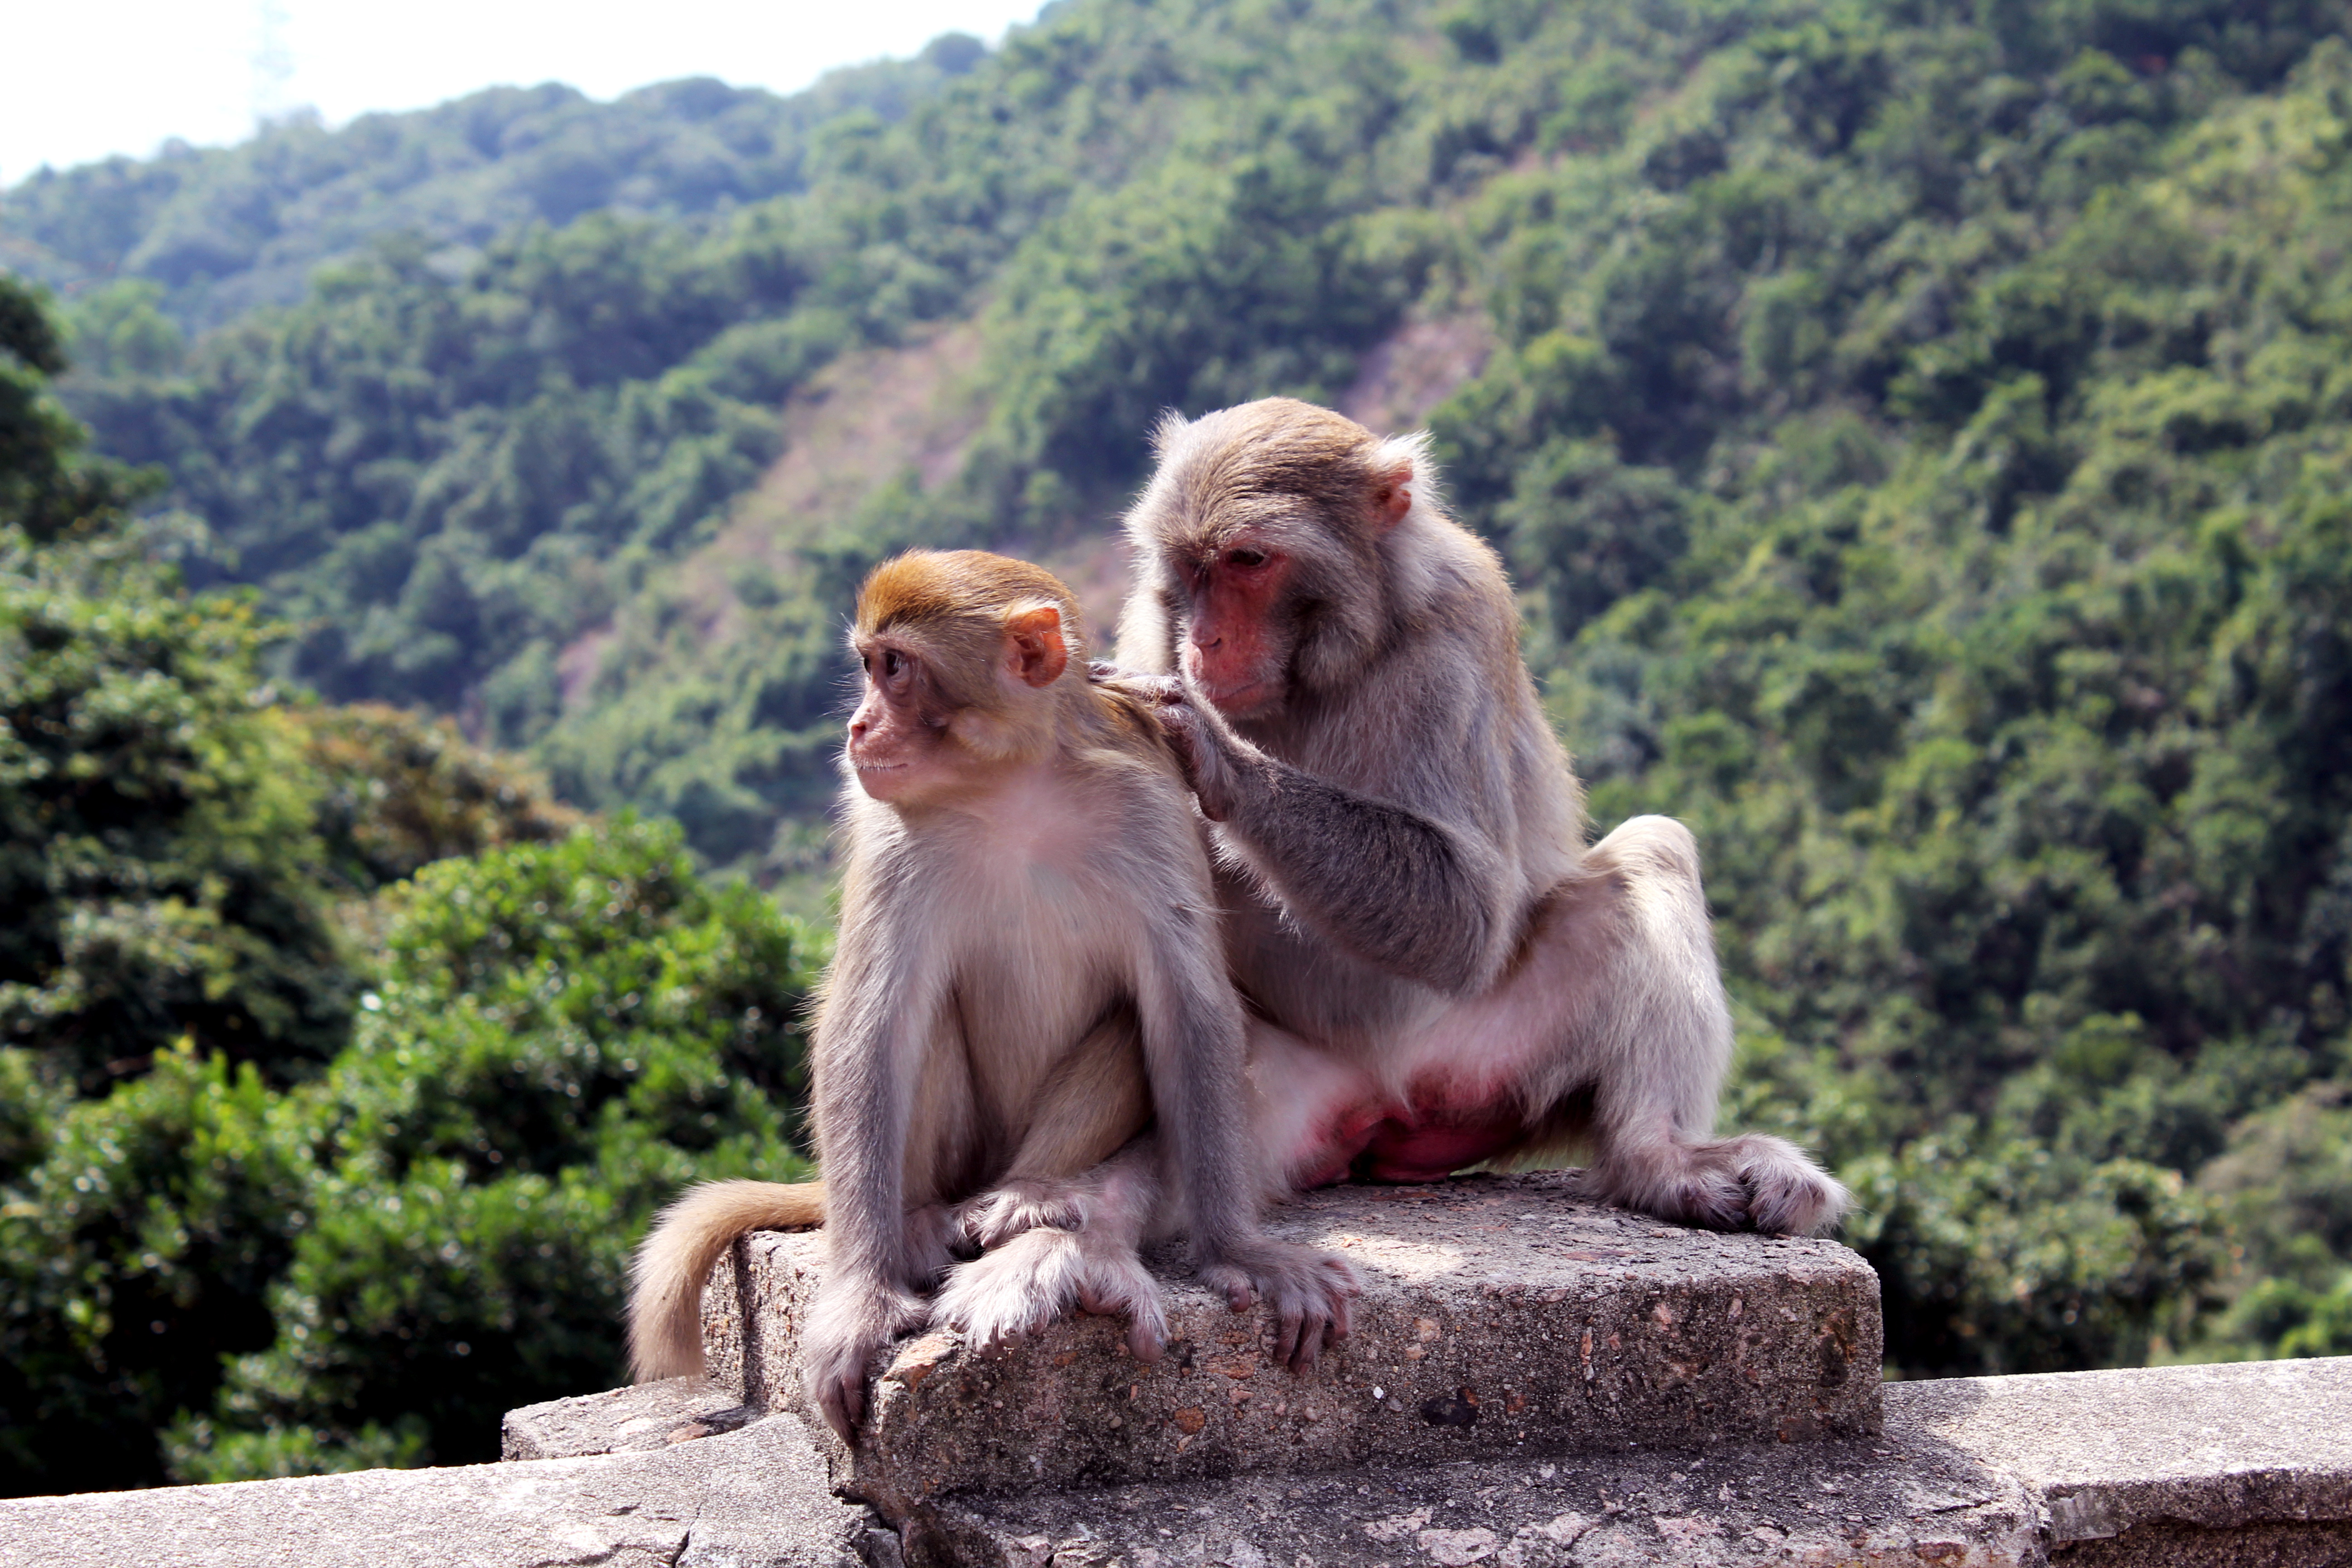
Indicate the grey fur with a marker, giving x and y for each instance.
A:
(1401, 841)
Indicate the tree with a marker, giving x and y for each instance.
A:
(564, 1035)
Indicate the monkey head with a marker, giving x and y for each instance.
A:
(1267, 545)
(961, 651)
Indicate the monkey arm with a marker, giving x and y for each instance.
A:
(879, 1014)
(1194, 1047)
(877, 1018)
(1423, 898)
(1418, 897)
(1195, 1043)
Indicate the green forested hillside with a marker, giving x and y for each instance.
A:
(1922, 433)
(338, 1067)
(209, 234)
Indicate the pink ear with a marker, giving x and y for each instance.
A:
(1392, 497)
(1034, 648)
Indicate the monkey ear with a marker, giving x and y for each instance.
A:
(1392, 496)
(1034, 649)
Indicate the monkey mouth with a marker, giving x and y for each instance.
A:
(1247, 697)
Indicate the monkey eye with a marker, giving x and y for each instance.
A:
(893, 663)
(1245, 558)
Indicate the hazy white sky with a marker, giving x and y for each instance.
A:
(82, 80)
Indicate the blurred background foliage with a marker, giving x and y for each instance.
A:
(1921, 432)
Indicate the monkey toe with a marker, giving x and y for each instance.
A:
(843, 1405)
(1795, 1201)
(1717, 1203)
(1309, 1292)
(1230, 1282)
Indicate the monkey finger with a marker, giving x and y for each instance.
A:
(843, 1401)
(1164, 690)
(1342, 1322)
(1291, 1340)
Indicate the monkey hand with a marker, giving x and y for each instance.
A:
(1308, 1289)
(1216, 761)
(850, 1323)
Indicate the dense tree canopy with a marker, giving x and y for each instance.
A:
(339, 1066)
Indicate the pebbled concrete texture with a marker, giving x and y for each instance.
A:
(641, 1419)
(755, 1498)
(2206, 1447)
(1501, 1316)
(2217, 1466)
(1860, 1503)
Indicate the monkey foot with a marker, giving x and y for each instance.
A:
(1019, 1288)
(995, 1218)
(1750, 1182)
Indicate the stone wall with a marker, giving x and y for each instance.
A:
(1534, 1382)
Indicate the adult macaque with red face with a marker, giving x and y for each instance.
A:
(1028, 976)
(1440, 971)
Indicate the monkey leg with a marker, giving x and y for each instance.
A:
(1611, 1025)
(1620, 996)
(1095, 1101)
(1037, 1276)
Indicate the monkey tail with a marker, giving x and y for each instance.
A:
(677, 1258)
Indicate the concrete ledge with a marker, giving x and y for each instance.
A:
(2240, 1466)
(1501, 1316)
(2245, 1466)
(638, 1419)
(753, 1499)
(1846, 1502)
(2113, 1453)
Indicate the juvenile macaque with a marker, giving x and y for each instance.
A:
(1029, 974)
(1439, 971)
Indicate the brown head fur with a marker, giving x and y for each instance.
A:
(959, 601)
(956, 606)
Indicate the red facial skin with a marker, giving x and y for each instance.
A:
(1235, 652)
(1229, 653)
(895, 745)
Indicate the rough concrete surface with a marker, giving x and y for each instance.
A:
(636, 1419)
(751, 1498)
(1849, 1502)
(1500, 1316)
(2210, 1445)
(2217, 1466)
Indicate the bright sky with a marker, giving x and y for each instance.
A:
(86, 79)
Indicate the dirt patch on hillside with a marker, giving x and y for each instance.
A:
(863, 421)
(881, 415)
(1414, 369)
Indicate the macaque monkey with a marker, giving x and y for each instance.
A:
(1029, 974)
(1440, 973)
